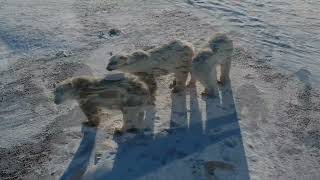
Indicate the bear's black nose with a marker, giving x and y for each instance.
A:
(109, 68)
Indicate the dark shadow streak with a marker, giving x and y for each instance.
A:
(150, 117)
(81, 159)
(144, 154)
(304, 94)
(195, 122)
(179, 114)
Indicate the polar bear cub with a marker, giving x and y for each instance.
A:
(174, 57)
(204, 66)
(119, 91)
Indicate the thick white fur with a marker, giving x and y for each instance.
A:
(174, 57)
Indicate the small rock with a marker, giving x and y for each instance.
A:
(62, 54)
(250, 146)
(97, 158)
(114, 32)
(249, 76)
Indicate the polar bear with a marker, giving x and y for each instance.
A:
(118, 91)
(174, 57)
(204, 66)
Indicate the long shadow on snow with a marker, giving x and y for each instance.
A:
(81, 159)
(144, 154)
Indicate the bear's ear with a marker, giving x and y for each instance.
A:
(140, 55)
(71, 84)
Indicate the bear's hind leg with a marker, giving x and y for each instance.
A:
(192, 82)
(225, 71)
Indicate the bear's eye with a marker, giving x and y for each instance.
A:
(122, 58)
(215, 47)
(68, 85)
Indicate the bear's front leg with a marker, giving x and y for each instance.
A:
(211, 85)
(180, 81)
(133, 120)
(225, 71)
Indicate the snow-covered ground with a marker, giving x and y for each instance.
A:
(265, 125)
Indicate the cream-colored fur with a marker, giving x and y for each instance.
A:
(126, 93)
(217, 52)
(174, 57)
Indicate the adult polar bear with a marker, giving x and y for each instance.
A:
(174, 57)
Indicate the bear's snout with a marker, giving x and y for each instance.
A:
(110, 68)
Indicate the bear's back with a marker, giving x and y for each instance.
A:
(174, 51)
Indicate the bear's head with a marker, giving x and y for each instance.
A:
(221, 44)
(126, 62)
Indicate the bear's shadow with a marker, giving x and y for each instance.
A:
(143, 154)
(81, 159)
